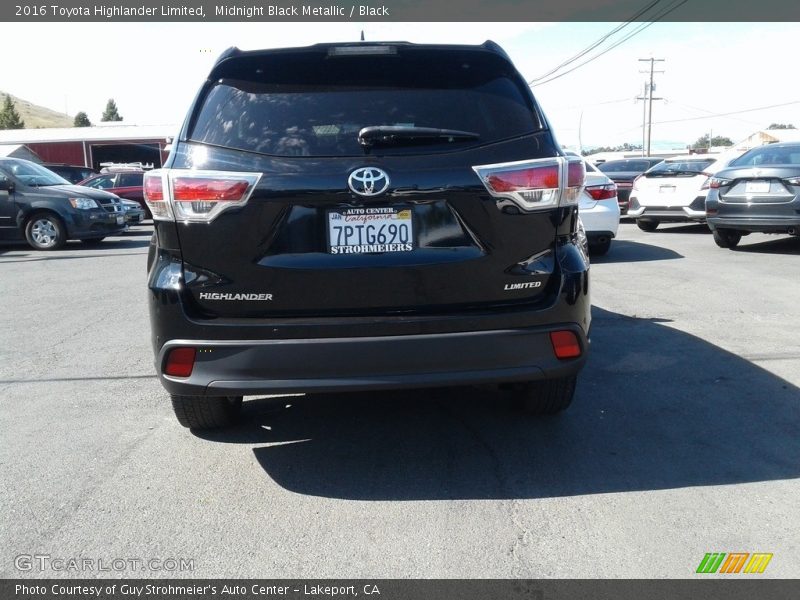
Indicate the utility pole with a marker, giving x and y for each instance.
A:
(644, 117)
(649, 96)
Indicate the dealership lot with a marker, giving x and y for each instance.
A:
(683, 438)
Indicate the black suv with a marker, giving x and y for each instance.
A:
(46, 210)
(365, 216)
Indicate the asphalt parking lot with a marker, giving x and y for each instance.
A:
(684, 437)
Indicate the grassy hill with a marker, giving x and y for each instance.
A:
(38, 116)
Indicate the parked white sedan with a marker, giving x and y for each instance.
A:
(599, 209)
(675, 190)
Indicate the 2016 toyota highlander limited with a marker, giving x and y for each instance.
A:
(365, 216)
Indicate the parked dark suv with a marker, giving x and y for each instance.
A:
(46, 210)
(365, 216)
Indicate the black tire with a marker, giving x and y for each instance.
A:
(726, 238)
(45, 231)
(547, 396)
(600, 248)
(206, 412)
(647, 224)
(92, 241)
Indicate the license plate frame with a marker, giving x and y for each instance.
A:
(120, 220)
(667, 189)
(370, 230)
(756, 187)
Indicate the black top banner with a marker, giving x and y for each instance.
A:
(400, 10)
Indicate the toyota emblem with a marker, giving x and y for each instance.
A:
(368, 181)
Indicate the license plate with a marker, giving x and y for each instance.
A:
(667, 189)
(756, 187)
(120, 219)
(370, 230)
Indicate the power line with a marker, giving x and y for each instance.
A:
(629, 99)
(715, 115)
(708, 112)
(641, 28)
(735, 112)
(594, 45)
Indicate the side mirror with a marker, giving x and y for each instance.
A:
(6, 185)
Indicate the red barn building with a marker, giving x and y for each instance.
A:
(90, 146)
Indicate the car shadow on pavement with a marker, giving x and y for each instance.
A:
(690, 228)
(628, 251)
(783, 245)
(655, 409)
(116, 243)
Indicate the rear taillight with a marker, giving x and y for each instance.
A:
(635, 185)
(601, 192)
(153, 189)
(180, 362)
(715, 183)
(189, 195)
(535, 184)
(793, 180)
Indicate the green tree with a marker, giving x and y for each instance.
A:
(717, 140)
(781, 126)
(82, 120)
(9, 117)
(111, 113)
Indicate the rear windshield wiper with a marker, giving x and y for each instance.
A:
(401, 134)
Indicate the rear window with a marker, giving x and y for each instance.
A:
(615, 166)
(686, 166)
(766, 155)
(130, 179)
(308, 104)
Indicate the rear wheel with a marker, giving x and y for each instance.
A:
(600, 248)
(726, 238)
(45, 231)
(548, 396)
(206, 412)
(647, 224)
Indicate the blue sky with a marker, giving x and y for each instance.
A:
(153, 70)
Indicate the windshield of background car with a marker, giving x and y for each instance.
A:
(310, 104)
(102, 182)
(614, 166)
(29, 173)
(685, 166)
(766, 155)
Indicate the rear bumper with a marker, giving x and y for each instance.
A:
(602, 218)
(691, 212)
(249, 356)
(757, 216)
(789, 224)
(345, 364)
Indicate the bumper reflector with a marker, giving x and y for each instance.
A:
(565, 344)
(180, 362)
